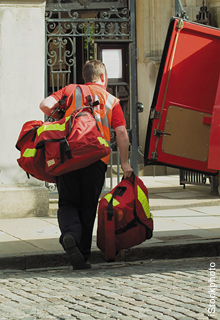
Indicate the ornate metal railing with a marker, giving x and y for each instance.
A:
(64, 25)
(112, 23)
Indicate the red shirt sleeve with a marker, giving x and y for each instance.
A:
(118, 118)
(66, 91)
(58, 95)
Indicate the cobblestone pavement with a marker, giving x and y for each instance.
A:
(163, 290)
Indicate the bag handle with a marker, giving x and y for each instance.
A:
(132, 178)
(58, 109)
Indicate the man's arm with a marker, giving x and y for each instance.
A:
(48, 105)
(123, 145)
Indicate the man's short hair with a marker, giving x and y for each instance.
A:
(92, 70)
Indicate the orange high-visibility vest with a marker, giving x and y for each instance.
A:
(102, 112)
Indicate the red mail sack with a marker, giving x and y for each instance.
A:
(31, 160)
(71, 143)
(124, 218)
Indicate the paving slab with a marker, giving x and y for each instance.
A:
(30, 228)
(213, 210)
(201, 222)
(4, 237)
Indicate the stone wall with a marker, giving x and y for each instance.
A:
(22, 57)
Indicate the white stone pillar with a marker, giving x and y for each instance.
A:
(22, 57)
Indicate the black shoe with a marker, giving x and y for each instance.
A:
(75, 256)
(87, 265)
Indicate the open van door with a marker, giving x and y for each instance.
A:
(184, 124)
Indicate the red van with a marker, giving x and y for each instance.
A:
(184, 125)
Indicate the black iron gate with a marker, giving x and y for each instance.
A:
(81, 30)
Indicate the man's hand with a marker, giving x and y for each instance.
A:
(123, 145)
(127, 170)
(48, 105)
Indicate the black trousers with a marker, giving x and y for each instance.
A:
(79, 193)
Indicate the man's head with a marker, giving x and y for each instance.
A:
(95, 71)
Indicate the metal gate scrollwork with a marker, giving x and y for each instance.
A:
(69, 29)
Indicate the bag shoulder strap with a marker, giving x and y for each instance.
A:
(87, 96)
(83, 92)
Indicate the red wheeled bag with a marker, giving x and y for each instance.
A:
(124, 218)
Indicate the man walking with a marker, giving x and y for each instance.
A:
(79, 190)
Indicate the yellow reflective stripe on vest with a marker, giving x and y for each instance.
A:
(55, 126)
(144, 201)
(103, 141)
(29, 153)
(108, 198)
